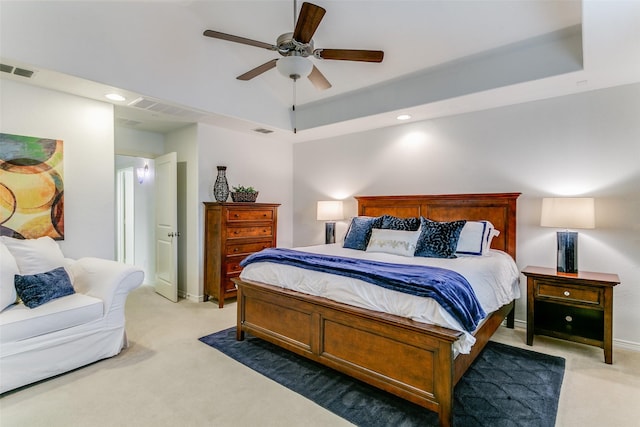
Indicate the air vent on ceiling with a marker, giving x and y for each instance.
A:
(263, 130)
(5, 68)
(171, 110)
(127, 122)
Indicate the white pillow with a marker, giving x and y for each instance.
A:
(35, 256)
(397, 242)
(8, 270)
(493, 233)
(475, 238)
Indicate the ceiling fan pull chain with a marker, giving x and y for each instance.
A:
(293, 107)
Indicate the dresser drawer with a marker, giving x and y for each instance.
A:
(232, 264)
(255, 231)
(247, 248)
(249, 215)
(570, 293)
(228, 286)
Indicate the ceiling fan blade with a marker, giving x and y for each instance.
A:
(318, 79)
(237, 39)
(350, 54)
(258, 70)
(308, 21)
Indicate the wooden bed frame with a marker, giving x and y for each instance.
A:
(410, 359)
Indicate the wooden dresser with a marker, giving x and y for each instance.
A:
(232, 231)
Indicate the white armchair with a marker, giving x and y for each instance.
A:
(70, 331)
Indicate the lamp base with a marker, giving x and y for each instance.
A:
(330, 232)
(567, 252)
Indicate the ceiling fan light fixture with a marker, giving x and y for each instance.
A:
(294, 66)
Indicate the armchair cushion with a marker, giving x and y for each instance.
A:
(19, 322)
(35, 256)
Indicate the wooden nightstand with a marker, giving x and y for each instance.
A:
(575, 307)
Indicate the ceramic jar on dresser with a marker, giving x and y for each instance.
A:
(232, 231)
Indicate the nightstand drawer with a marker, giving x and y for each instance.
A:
(569, 293)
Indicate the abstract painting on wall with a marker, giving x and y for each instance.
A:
(31, 187)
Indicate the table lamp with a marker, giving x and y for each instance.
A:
(330, 210)
(569, 212)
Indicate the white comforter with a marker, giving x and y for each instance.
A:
(494, 278)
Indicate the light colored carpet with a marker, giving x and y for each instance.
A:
(169, 378)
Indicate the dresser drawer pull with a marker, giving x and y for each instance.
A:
(567, 293)
(236, 216)
(568, 319)
(236, 249)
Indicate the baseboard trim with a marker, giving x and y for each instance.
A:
(195, 298)
(617, 343)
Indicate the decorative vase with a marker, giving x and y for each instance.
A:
(221, 186)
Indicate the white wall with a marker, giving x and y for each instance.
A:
(255, 161)
(86, 127)
(586, 144)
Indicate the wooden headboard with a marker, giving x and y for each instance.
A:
(499, 208)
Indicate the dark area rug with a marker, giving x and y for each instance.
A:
(505, 386)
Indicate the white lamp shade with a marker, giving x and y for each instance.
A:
(568, 212)
(330, 210)
(294, 66)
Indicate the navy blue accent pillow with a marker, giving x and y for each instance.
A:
(394, 223)
(37, 289)
(359, 232)
(438, 239)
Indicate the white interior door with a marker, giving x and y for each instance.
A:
(166, 228)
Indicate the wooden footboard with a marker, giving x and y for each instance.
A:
(410, 359)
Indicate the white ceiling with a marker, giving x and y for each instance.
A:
(420, 39)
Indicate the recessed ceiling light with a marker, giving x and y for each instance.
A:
(115, 97)
(403, 117)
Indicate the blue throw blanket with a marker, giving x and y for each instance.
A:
(450, 289)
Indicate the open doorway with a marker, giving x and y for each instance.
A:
(135, 214)
(125, 216)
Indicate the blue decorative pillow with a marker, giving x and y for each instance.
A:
(37, 289)
(359, 232)
(438, 239)
(394, 223)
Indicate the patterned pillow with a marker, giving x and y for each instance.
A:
(394, 223)
(397, 242)
(359, 232)
(438, 239)
(37, 289)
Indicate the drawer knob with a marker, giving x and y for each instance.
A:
(235, 249)
(236, 232)
(567, 293)
(236, 216)
(568, 319)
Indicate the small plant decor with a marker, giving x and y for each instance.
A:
(244, 194)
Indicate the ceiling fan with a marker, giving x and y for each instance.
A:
(296, 47)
